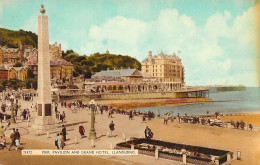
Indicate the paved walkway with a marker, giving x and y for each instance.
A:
(131, 128)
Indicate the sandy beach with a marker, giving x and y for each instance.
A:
(247, 118)
(140, 103)
(209, 136)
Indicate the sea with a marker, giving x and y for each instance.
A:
(230, 102)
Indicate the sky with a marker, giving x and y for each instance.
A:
(216, 38)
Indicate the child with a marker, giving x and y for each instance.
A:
(17, 143)
(4, 141)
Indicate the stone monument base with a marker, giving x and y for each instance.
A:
(44, 124)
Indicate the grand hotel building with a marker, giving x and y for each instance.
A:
(167, 69)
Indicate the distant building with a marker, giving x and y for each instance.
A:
(59, 69)
(19, 73)
(30, 54)
(24, 54)
(55, 52)
(128, 75)
(10, 55)
(123, 81)
(167, 69)
(3, 73)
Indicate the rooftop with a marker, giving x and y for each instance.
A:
(54, 63)
(116, 73)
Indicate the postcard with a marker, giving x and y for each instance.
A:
(129, 82)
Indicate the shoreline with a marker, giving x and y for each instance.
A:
(142, 103)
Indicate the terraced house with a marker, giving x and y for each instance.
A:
(19, 73)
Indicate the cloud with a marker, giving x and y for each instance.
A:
(219, 52)
(31, 24)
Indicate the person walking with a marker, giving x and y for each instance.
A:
(165, 119)
(62, 141)
(111, 127)
(158, 113)
(27, 114)
(64, 132)
(1, 117)
(3, 141)
(148, 133)
(32, 107)
(144, 120)
(109, 113)
(130, 115)
(17, 143)
(63, 117)
(81, 131)
(13, 138)
(2, 133)
(58, 141)
(17, 134)
(2, 136)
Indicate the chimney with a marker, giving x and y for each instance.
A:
(150, 53)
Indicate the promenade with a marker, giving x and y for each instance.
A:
(131, 128)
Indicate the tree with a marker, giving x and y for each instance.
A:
(70, 56)
(2, 85)
(30, 74)
(14, 83)
(31, 83)
(87, 74)
(78, 59)
(67, 52)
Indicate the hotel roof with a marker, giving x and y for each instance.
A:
(115, 73)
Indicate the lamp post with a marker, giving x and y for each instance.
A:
(12, 110)
(92, 132)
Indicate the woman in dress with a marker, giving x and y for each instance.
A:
(58, 141)
(62, 141)
(81, 131)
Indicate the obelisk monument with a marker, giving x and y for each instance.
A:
(44, 120)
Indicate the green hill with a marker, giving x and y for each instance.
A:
(97, 62)
(86, 65)
(13, 39)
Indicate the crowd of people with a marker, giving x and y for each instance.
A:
(97, 108)
(15, 138)
(203, 121)
(61, 138)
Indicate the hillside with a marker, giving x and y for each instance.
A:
(86, 65)
(13, 39)
(97, 62)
